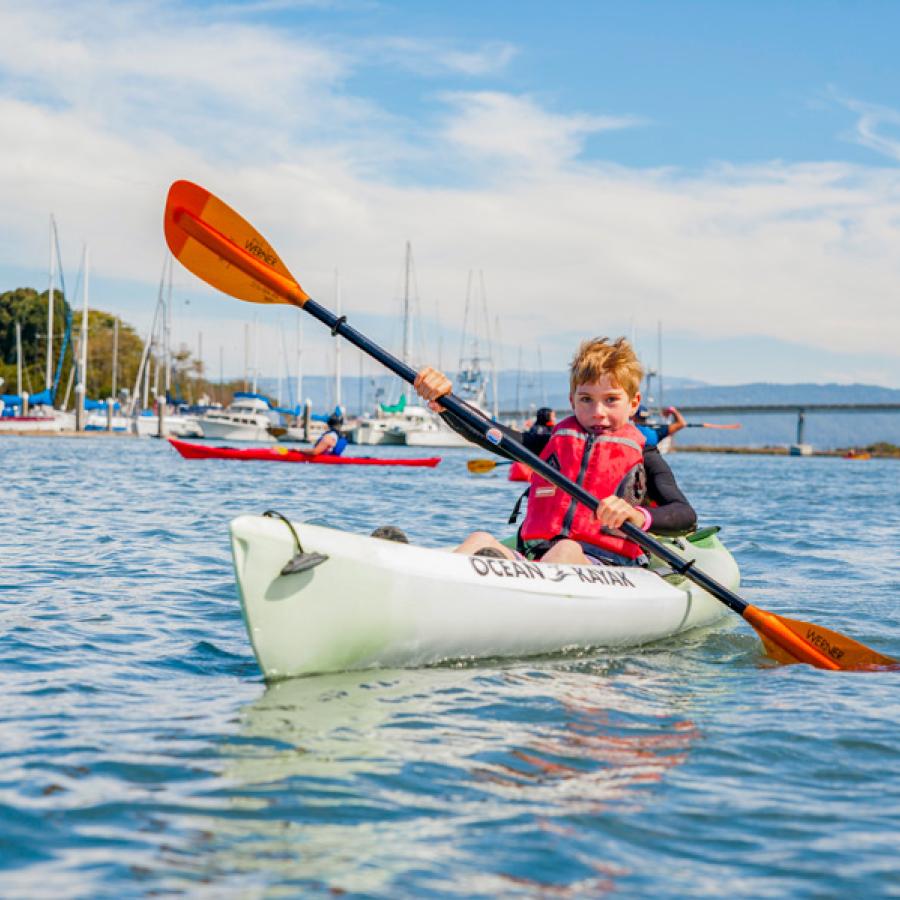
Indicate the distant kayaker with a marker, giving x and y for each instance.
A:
(653, 434)
(332, 441)
(535, 439)
(603, 451)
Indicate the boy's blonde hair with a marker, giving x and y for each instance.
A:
(598, 357)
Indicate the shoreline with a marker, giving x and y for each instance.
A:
(863, 453)
(65, 434)
(840, 453)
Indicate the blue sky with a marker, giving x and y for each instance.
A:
(727, 169)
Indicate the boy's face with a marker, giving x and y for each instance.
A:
(602, 406)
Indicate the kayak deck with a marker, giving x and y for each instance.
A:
(379, 604)
(282, 454)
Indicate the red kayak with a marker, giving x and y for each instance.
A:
(282, 454)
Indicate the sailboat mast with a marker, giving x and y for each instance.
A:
(519, 383)
(115, 356)
(299, 363)
(167, 330)
(81, 394)
(337, 340)
(48, 380)
(18, 357)
(406, 334)
(281, 361)
(255, 351)
(659, 378)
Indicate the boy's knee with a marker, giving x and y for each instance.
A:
(567, 545)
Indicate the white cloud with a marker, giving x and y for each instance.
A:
(99, 118)
(429, 58)
(872, 122)
(496, 128)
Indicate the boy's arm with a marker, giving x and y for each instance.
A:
(672, 513)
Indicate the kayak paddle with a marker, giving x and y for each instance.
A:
(483, 466)
(218, 246)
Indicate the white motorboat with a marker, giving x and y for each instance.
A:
(175, 425)
(248, 418)
(390, 425)
(98, 421)
(434, 433)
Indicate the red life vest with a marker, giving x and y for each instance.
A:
(599, 463)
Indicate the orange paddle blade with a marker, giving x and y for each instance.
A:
(211, 240)
(481, 466)
(792, 641)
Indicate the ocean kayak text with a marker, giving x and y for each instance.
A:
(506, 568)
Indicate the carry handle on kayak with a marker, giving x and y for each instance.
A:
(215, 243)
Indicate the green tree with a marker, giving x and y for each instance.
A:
(101, 338)
(29, 308)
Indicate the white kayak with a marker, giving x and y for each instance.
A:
(380, 604)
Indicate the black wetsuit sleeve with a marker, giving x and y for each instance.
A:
(477, 438)
(672, 513)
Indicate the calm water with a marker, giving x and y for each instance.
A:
(142, 754)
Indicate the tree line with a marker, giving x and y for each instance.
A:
(28, 307)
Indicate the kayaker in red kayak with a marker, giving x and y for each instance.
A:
(601, 449)
(332, 441)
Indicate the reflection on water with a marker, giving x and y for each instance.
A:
(359, 781)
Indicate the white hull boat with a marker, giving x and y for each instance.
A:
(371, 432)
(174, 425)
(378, 604)
(98, 421)
(247, 419)
(434, 434)
(394, 428)
(58, 420)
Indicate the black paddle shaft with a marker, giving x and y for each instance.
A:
(464, 413)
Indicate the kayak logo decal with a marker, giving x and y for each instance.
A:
(505, 568)
(510, 568)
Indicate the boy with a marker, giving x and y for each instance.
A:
(599, 448)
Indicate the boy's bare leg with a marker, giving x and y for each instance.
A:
(478, 540)
(569, 552)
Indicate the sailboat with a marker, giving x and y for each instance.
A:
(392, 421)
(471, 385)
(19, 412)
(145, 420)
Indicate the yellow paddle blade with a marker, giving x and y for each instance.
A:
(211, 240)
(792, 641)
(481, 466)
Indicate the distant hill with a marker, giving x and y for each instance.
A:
(535, 389)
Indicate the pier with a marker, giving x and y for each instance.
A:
(800, 410)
